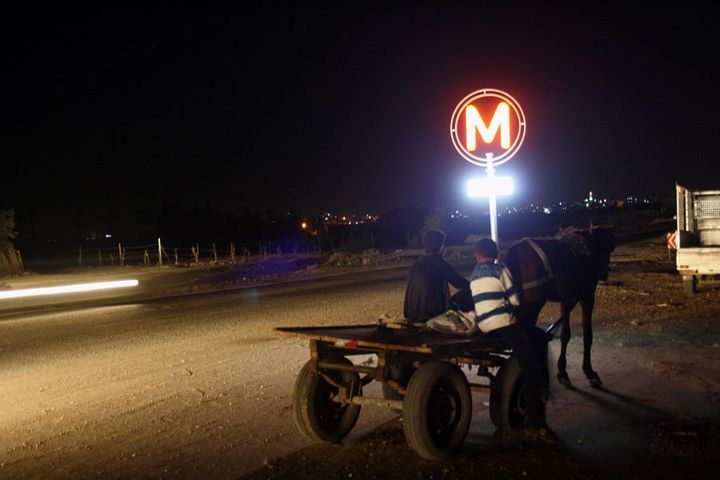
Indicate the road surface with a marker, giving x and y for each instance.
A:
(199, 387)
(190, 387)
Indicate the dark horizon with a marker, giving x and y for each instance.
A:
(346, 107)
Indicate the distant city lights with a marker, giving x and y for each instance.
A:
(352, 219)
(505, 186)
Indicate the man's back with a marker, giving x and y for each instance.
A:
(494, 295)
(427, 293)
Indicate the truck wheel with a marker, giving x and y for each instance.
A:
(401, 373)
(508, 403)
(316, 415)
(436, 410)
(690, 285)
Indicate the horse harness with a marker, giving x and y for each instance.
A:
(546, 263)
(578, 250)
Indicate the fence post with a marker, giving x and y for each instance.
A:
(121, 259)
(176, 257)
(159, 252)
(79, 255)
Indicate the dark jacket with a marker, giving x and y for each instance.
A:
(427, 293)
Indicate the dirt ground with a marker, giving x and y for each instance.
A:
(170, 384)
(656, 416)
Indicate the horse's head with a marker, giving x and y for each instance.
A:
(601, 243)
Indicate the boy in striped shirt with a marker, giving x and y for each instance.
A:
(495, 300)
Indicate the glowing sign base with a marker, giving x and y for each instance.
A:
(483, 187)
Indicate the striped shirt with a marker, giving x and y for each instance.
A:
(494, 296)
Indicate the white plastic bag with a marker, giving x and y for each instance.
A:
(454, 322)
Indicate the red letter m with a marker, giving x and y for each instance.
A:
(474, 123)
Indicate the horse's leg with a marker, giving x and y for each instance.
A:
(587, 305)
(529, 311)
(565, 310)
(528, 314)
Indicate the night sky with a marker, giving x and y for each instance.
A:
(345, 106)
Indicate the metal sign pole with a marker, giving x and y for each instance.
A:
(492, 198)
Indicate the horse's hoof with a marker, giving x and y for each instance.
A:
(563, 378)
(595, 381)
(593, 377)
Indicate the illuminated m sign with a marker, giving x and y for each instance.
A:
(499, 138)
(474, 123)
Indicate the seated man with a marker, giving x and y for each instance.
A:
(427, 293)
(495, 301)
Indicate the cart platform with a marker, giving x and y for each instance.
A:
(374, 337)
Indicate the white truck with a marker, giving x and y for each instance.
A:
(697, 236)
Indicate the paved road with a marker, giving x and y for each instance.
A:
(199, 387)
(189, 387)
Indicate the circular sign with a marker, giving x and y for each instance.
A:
(487, 127)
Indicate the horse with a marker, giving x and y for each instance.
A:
(563, 269)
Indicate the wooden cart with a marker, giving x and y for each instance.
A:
(421, 376)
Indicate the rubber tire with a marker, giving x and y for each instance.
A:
(690, 285)
(401, 374)
(506, 401)
(315, 415)
(433, 386)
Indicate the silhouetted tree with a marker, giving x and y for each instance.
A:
(7, 228)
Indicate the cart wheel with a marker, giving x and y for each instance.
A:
(316, 415)
(508, 403)
(690, 285)
(436, 410)
(401, 373)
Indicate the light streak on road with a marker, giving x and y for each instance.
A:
(61, 289)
